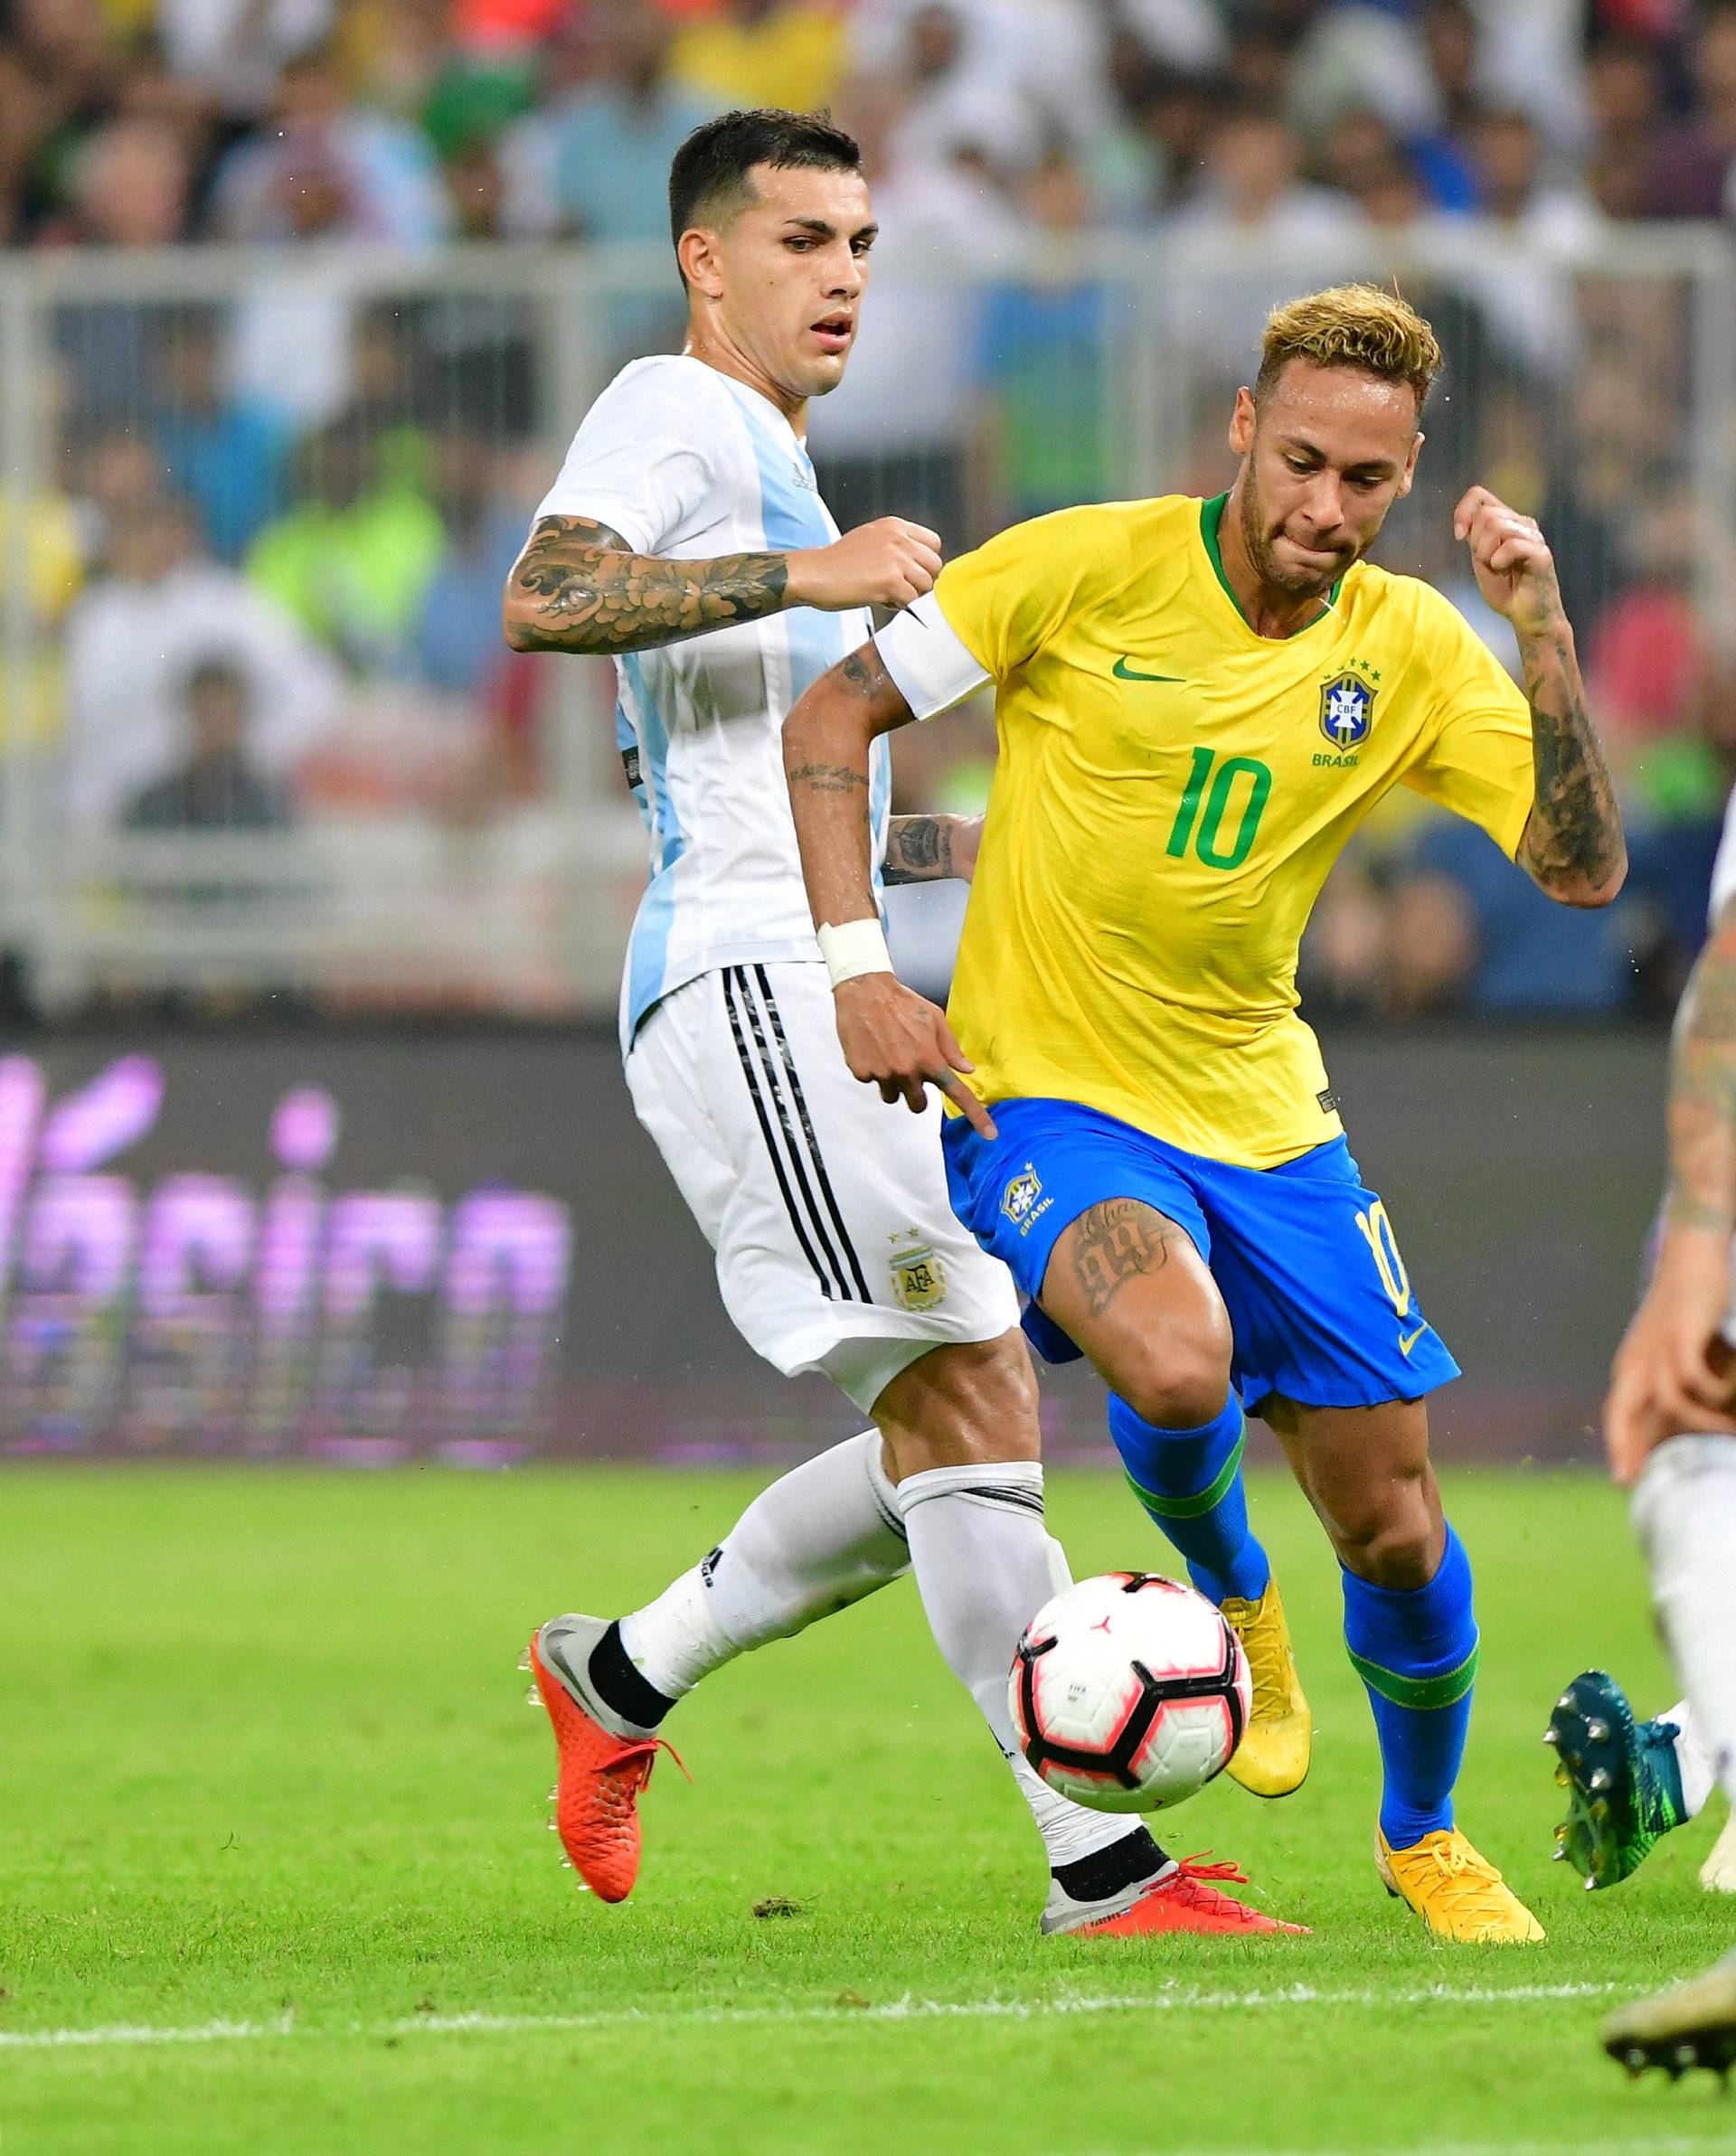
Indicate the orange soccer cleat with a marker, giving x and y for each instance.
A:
(1188, 1898)
(603, 1764)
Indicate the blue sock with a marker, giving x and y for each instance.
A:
(1190, 1481)
(1415, 1649)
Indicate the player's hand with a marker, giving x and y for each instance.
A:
(1514, 570)
(896, 1040)
(1673, 1372)
(887, 564)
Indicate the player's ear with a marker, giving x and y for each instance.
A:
(696, 251)
(1241, 422)
(1410, 464)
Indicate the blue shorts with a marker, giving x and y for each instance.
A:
(1319, 1302)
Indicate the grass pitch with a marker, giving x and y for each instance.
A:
(274, 1876)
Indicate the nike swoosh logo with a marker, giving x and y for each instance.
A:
(1405, 1345)
(1124, 672)
(553, 1659)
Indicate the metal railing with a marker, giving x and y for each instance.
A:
(359, 435)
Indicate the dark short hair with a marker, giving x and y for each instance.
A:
(714, 162)
(216, 670)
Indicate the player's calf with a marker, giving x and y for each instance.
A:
(1189, 1482)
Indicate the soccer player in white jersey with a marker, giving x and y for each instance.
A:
(1670, 1427)
(686, 537)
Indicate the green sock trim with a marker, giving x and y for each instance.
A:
(1191, 1508)
(1445, 1691)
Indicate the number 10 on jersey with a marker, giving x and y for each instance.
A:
(1236, 793)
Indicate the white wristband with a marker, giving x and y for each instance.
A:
(853, 948)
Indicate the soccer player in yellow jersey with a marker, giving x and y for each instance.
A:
(1197, 705)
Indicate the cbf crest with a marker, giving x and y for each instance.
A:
(919, 1276)
(1346, 711)
(1023, 1201)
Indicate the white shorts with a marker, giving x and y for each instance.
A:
(837, 1248)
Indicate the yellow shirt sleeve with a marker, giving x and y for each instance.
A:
(1478, 762)
(1005, 601)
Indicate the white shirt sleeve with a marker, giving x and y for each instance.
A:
(930, 668)
(642, 462)
(1724, 869)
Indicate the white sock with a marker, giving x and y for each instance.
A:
(1685, 1509)
(985, 1566)
(1698, 1781)
(819, 1538)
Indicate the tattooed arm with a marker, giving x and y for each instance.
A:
(1672, 1372)
(891, 1037)
(1572, 847)
(922, 849)
(827, 738)
(1703, 1092)
(578, 587)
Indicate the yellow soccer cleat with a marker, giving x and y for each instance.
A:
(1457, 1894)
(1272, 1758)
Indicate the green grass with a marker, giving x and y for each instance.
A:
(263, 1759)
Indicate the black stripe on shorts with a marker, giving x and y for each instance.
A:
(758, 1069)
(832, 1204)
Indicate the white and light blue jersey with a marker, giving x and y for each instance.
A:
(1724, 869)
(685, 463)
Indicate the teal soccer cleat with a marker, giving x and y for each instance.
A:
(1623, 1782)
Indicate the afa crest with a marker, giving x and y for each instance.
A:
(1347, 710)
(918, 1277)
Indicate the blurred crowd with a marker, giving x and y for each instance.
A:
(267, 555)
(131, 122)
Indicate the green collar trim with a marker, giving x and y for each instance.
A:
(1211, 526)
(1210, 519)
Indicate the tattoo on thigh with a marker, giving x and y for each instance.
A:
(1114, 1241)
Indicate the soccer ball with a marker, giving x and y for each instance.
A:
(1129, 1692)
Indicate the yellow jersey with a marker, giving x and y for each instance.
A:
(1170, 793)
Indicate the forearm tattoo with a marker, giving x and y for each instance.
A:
(1573, 837)
(578, 587)
(829, 778)
(918, 849)
(862, 677)
(862, 673)
(1703, 1093)
(1112, 1243)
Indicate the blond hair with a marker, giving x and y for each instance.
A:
(1352, 325)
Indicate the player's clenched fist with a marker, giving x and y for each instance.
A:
(896, 1040)
(1673, 1371)
(887, 564)
(1515, 571)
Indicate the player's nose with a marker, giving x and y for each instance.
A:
(1326, 505)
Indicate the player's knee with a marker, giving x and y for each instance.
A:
(970, 1402)
(1397, 1542)
(1176, 1387)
